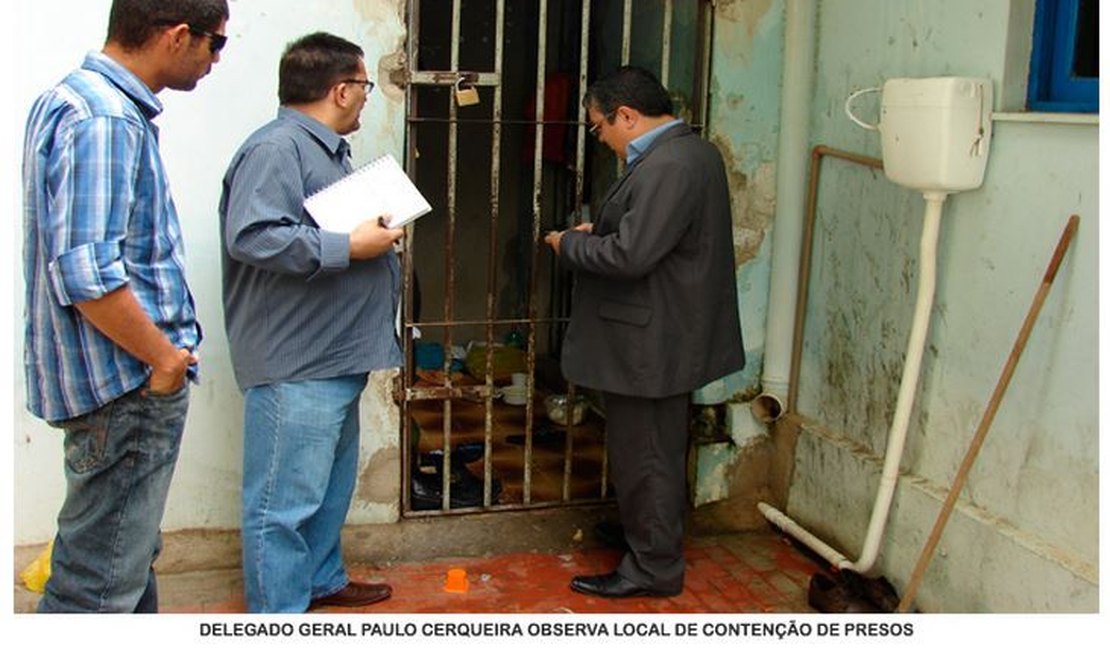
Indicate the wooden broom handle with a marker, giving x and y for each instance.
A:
(988, 417)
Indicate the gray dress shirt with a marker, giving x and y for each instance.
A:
(295, 305)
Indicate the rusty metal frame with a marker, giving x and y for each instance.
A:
(406, 393)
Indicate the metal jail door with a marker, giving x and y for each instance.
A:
(497, 142)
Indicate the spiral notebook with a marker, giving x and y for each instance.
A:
(379, 187)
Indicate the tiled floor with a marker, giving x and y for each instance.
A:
(743, 573)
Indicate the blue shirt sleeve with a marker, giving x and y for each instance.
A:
(264, 225)
(91, 178)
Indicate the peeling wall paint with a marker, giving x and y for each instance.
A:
(713, 465)
(753, 201)
(378, 491)
(744, 19)
(743, 123)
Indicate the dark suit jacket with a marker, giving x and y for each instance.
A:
(655, 310)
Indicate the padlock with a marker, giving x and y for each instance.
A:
(465, 96)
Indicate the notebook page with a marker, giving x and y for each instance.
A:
(377, 188)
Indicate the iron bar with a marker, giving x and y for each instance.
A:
(452, 76)
(480, 120)
(537, 213)
(579, 192)
(508, 507)
(478, 392)
(449, 271)
(665, 55)
(626, 33)
(491, 262)
(408, 455)
(702, 65)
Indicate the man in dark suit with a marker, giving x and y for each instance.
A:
(654, 315)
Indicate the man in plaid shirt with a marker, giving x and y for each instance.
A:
(110, 324)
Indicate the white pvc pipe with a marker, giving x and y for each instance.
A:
(907, 390)
(793, 155)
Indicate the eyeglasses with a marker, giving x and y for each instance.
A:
(216, 42)
(366, 84)
(596, 128)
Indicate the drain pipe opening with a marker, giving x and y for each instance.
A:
(767, 408)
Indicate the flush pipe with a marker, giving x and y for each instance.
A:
(926, 288)
(793, 153)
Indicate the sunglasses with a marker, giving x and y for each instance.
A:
(216, 42)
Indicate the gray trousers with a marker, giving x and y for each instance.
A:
(647, 460)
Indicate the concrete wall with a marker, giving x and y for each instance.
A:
(1025, 537)
(744, 88)
(200, 132)
(744, 104)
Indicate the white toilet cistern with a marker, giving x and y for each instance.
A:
(935, 135)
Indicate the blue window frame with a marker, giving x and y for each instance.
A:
(1063, 73)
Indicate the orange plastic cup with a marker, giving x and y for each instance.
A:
(456, 581)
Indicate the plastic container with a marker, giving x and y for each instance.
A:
(515, 395)
(935, 131)
(557, 409)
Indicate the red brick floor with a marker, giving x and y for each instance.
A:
(742, 573)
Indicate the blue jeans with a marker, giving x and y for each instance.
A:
(300, 458)
(119, 461)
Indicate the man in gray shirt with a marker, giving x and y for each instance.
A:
(309, 313)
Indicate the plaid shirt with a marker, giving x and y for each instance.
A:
(97, 216)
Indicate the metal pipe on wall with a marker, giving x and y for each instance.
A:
(819, 153)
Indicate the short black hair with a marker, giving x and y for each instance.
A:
(131, 23)
(632, 87)
(312, 64)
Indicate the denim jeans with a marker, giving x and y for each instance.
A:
(119, 461)
(300, 458)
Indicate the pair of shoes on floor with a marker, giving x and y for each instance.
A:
(355, 594)
(851, 593)
(614, 585)
(611, 534)
(426, 491)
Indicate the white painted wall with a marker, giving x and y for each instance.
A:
(200, 132)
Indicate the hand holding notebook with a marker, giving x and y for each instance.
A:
(379, 187)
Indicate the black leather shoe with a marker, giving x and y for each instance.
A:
(614, 585)
(426, 492)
